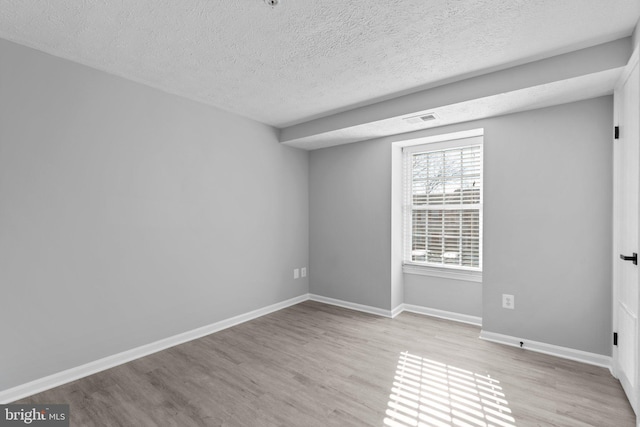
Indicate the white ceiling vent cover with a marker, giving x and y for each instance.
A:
(415, 120)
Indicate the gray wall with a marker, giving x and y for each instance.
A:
(397, 196)
(128, 215)
(547, 219)
(350, 223)
(456, 296)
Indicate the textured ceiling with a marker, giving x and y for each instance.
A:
(306, 58)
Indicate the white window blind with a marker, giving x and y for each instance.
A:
(443, 204)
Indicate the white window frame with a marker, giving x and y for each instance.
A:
(436, 144)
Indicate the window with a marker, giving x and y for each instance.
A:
(443, 208)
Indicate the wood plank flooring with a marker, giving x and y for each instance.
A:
(318, 365)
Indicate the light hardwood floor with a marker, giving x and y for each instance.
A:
(318, 365)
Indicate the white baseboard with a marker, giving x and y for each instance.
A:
(399, 309)
(352, 305)
(60, 378)
(553, 350)
(463, 318)
(449, 315)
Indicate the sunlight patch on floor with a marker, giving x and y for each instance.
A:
(429, 393)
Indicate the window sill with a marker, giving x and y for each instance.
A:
(446, 273)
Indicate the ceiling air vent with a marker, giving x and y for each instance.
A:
(415, 120)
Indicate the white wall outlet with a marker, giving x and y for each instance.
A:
(296, 273)
(508, 301)
(303, 272)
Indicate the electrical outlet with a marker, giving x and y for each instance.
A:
(508, 301)
(303, 272)
(296, 273)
